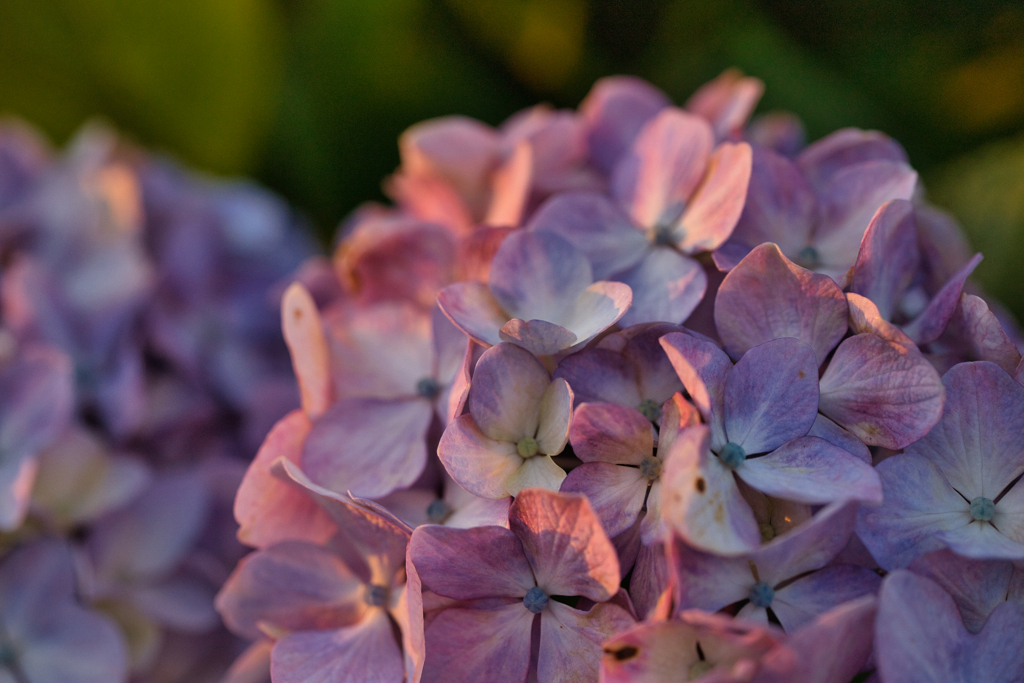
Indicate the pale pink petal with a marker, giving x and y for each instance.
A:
(651, 652)
(304, 333)
(665, 165)
(666, 286)
(700, 499)
(505, 398)
(767, 297)
(570, 640)
(983, 337)
(510, 187)
(430, 199)
(470, 564)
(269, 510)
(366, 652)
(370, 447)
(715, 207)
(703, 368)
(476, 462)
(477, 250)
(538, 472)
(888, 258)
(597, 308)
(539, 337)
(555, 418)
(473, 310)
(865, 318)
(727, 101)
(615, 492)
(565, 544)
(479, 645)
(885, 393)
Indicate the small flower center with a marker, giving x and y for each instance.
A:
(428, 388)
(699, 668)
(761, 594)
(732, 455)
(376, 595)
(650, 468)
(808, 258)
(536, 600)
(983, 509)
(438, 511)
(767, 532)
(527, 447)
(650, 410)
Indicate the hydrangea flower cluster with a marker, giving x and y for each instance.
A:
(141, 364)
(641, 393)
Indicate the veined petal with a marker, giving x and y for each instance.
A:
(885, 393)
(505, 397)
(596, 227)
(865, 318)
(983, 541)
(476, 462)
(570, 640)
(767, 297)
(473, 310)
(716, 206)
(489, 562)
(811, 470)
(365, 652)
(918, 503)
(370, 447)
(611, 433)
(565, 544)
(771, 395)
(727, 101)
(479, 645)
(888, 258)
(615, 492)
(666, 285)
(700, 498)
(665, 165)
(982, 335)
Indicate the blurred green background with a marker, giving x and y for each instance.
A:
(309, 96)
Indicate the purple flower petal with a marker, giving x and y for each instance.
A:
(885, 393)
(668, 159)
(811, 470)
(771, 395)
(615, 492)
(824, 428)
(716, 206)
(846, 147)
(596, 227)
(703, 369)
(808, 547)
(597, 308)
(767, 297)
(982, 335)
(490, 562)
(539, 337)
(920, 638)
(977, 586)
(727, 101)
(597, 374)
(865, 318)
(565, 544)
(555, 416)
(536, 275)
(369, 446)
(476, 462)
(610, 433)
(366, 652)
(932, 321)
(615, 110)
(479, 644)
(888, 257)
(666, 286)
(806, 598)
(570, 640)
(473, 310)
(505, 397)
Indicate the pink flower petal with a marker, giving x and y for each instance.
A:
(489, 562)
(727, 102)
(767, 297)
(983, 337)
(555, 418)
(570, 640)
(614, 111)
(539, 337)
(565, 544)
(538, 275)
(715, 207)
(479, 645)
(511, 187)
(611, 433)
(476, 462)
(538, 472)
(473, 310)
(865, 318)
(703, 368)
(597, 374)
(370, 447)
(597, 308)
(615, 492)
(269, 510)
(506, 394)
(885, 393)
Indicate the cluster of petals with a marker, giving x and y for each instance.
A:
(640, 392)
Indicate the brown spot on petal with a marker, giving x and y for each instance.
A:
(701, 486)
(623, 653)
(719, 513)
(801, 373)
